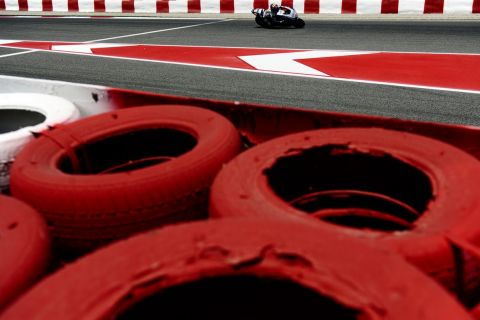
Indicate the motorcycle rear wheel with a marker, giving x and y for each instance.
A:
(259, 20)
(267, 23)
(299, 23)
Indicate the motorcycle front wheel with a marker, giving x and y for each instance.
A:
(259, 21)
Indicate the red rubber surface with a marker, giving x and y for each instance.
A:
(24, 248)
(377, 285)
(89, 209)
(242, 189)
(476, 312)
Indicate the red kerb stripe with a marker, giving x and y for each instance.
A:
(288, 3)
(128, 6)
(194, 6)
(99, 5)
(312, 6)
(73, 5)
(163, 6)
(349, 6)
(433, 6)
(476, 6)
(227, 6)
(260, 4)
(389, 6)
(47, 5)
(23, 5)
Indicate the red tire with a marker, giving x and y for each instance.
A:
(411, 190)
(227, 268)
(111, 175)
(476, 312)
(24, 247)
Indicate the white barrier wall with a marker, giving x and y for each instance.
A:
(244, 6)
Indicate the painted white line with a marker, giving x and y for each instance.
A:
(5, 42)
(17, 53)
(2, 41)
(158, 31)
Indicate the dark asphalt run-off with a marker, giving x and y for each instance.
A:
(438, 36)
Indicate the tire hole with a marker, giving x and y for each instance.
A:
(12, 226)
(351, 188)
(129, 151)
(239, 297)
(15, 119)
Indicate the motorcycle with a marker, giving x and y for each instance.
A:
(285, 17)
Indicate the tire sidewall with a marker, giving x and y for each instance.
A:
(454, 210)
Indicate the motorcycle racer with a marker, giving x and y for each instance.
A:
(280, 10)
(277, 16)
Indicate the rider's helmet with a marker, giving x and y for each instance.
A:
(274, 8)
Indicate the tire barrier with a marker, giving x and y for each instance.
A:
(24, 247)
(227, 268)
(404, 191)
(476, 312)
(108, 176)
(22, 114)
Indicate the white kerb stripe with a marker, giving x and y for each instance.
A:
(145, 6)
(458, 6)
(299, 5)
(7, 41)
(60, 5)
(86, 48)
(86, 6)
(209, 6)
(113, 5)
(287, 62)
(243, 6)
(35, 5)
(331, 6)
(411, 6)
(178, 6)
(12, 5)
(369, 6)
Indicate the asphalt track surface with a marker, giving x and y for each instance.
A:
(386, 35)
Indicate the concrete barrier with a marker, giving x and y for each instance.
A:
(244, 6)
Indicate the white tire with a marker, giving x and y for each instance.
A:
(55, 110)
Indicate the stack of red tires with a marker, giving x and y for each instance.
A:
(353, 223)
